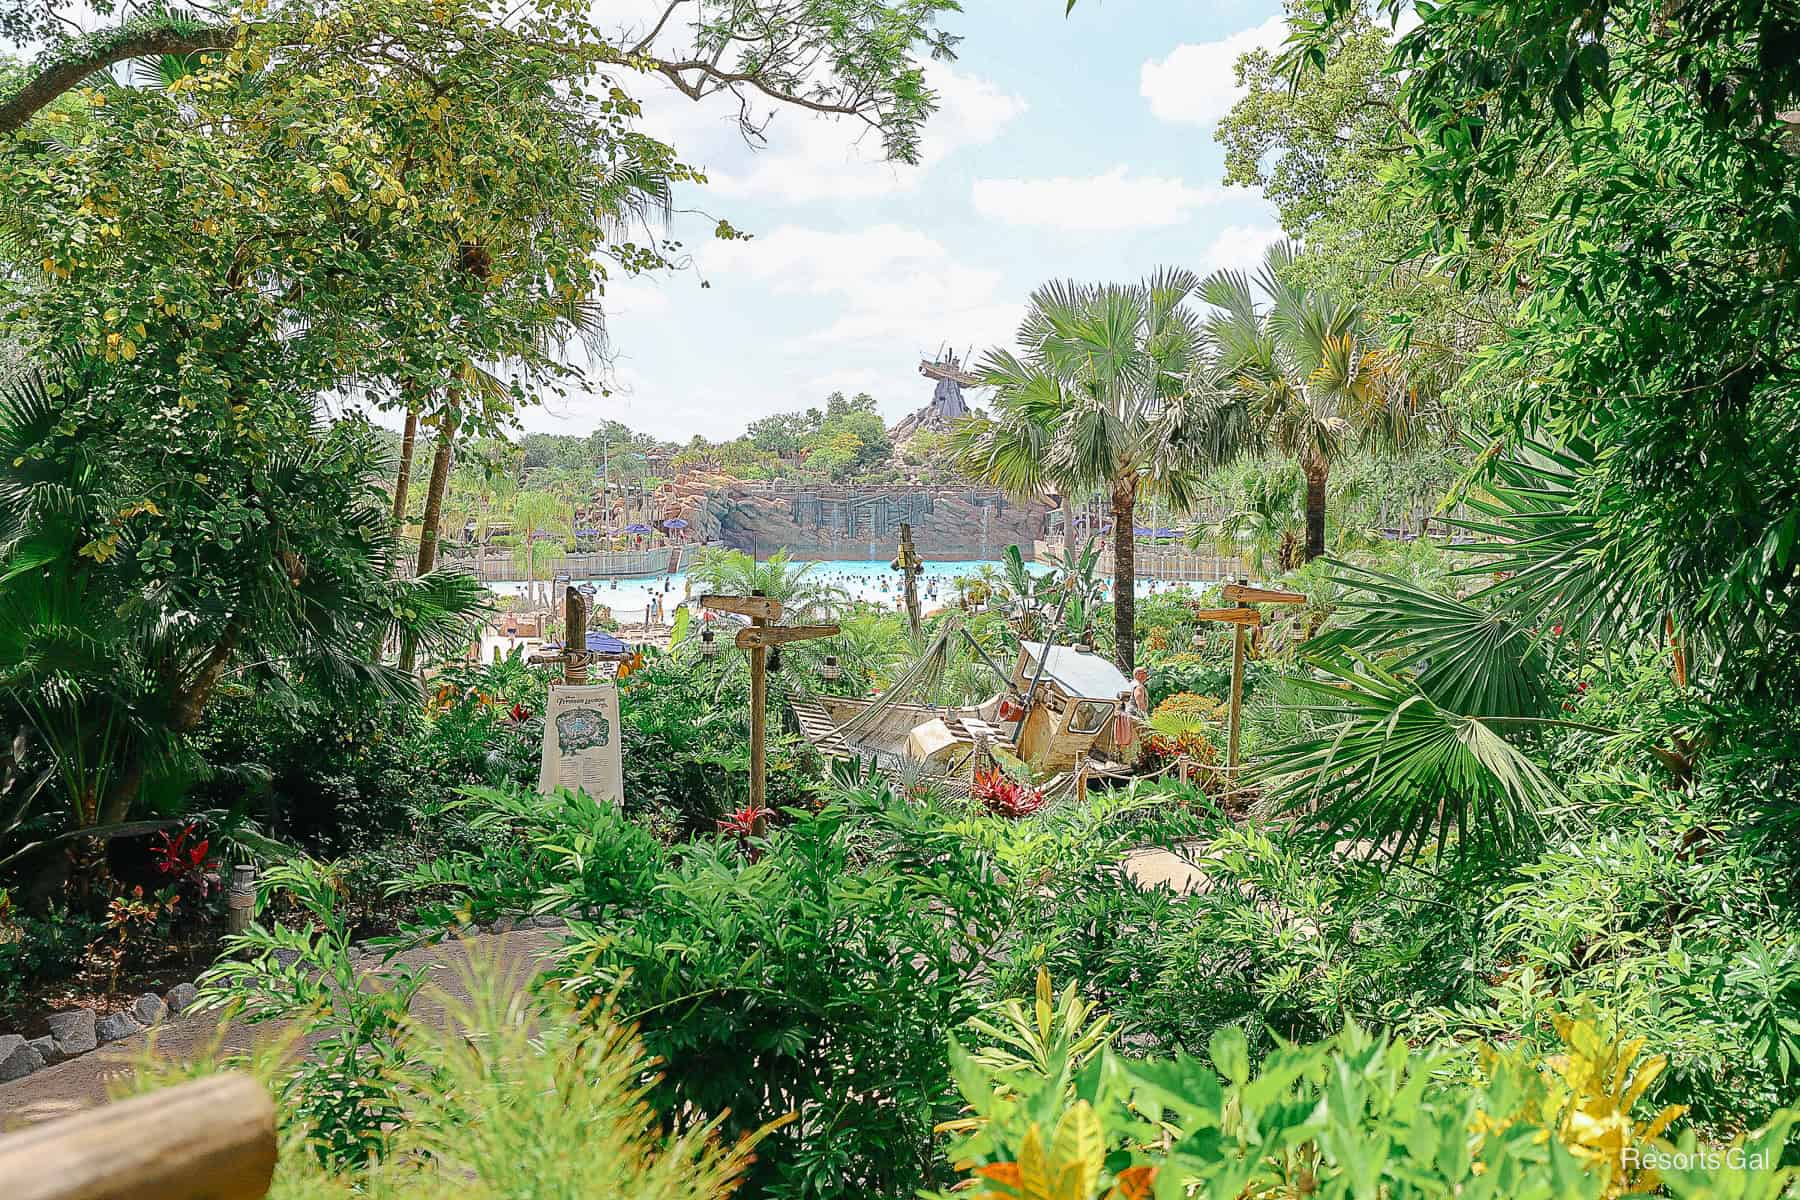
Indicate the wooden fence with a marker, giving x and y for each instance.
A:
(213, 1139)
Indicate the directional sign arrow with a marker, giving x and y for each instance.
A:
(1235, 616)
(1237, 593)
(760, 607)
(776, 635)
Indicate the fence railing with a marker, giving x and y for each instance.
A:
(1174, 563)
(599, 564)
(213, 1139)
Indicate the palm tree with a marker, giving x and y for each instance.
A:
(1311, 373)
(618, 195)
(1105, 393)
(115, 658)
(543, 529)
(870, 647)
(1267, 527)
(734, 573)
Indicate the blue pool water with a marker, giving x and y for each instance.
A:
(871, 580)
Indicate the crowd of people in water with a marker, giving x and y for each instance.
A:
(659, 597)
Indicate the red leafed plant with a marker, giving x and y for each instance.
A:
(742, 824)
(1005, 796)
(179, 856)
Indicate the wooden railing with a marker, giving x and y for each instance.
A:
(213, 1139)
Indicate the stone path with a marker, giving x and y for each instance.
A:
(83, 1082)
(1157, 867)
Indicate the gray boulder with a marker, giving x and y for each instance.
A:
(149, 1009)
(74, 1031)
(18, 1058)
(179, 997)
(117, 1025)
(46, 1048)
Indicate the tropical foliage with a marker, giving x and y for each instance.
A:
(1104, 395)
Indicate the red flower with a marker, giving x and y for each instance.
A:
(519, 713)
(1005, 796)
(742, 822)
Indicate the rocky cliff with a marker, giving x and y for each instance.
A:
(853, 522)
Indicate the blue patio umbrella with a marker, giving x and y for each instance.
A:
(677, 523)
(604, 643)
(637, 527)
(597, 643)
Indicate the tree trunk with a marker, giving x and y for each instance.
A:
(434, 508)
(1315, 509)
(1124, 513)
(403, 480)
(434, 492)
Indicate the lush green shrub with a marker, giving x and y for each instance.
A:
(816, 972)
(516, 1098)
(563, 853)
(687, 743)
(38, 948)
(1353, 1115)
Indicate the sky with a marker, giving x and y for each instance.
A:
(1078, 147)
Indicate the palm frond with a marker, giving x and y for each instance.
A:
(1395, 772)
(1468, 657)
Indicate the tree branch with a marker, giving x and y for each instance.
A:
(674, 72)
(66, 67)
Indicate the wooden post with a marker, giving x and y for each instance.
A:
(759, 718)
(213, 1138)
(574, 636)
(1240, 634)
(1242, 618)
(757, 639)
(240, 901)
(909, 566)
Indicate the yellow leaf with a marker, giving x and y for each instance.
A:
(1079, 1147)
(1034, 1167)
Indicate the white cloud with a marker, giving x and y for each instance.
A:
(1197, 82)
(1238, 248)
(807, 157)
(887, 286)
(1114, 200)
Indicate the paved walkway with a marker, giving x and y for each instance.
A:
(1157, 867)
(83, 1082)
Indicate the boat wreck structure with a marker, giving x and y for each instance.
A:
(1053, 712)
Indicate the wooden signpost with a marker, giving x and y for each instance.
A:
(908, 563)
(757, 639)
(581, 747)
(575, 657)
(1244, 618)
